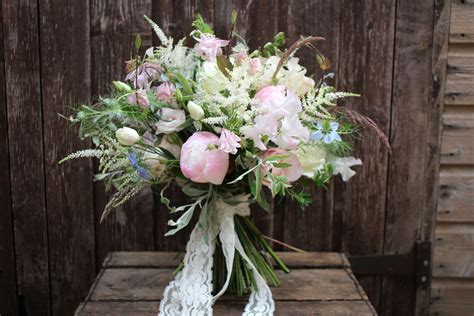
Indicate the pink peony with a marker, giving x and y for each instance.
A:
(139, 98)
(277, 100)
(292, 173)
(170, 121)
(208, 47)
(201, 161)
(165, 91)
(229, 142)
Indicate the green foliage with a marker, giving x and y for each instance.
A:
(273, 48)
(303, 198)
(201, 26)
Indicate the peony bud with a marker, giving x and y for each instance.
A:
(127, 136)
(195, 111)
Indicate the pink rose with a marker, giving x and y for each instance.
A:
(208, 47)
(139, 98)
(292, 173)
(170, 121)
(165, 91)
(255, 66)
(229, 142)
(201, 160)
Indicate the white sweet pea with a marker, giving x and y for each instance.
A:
(343, 166)
(127, 136)
(195, 111)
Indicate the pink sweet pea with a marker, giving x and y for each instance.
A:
(170, 121)
(240, 57)
(255, 66)
(292, 173)
(139, 98)
(229, 142)
(201, 160)
(208, 47)
(143, 74)
(165, 91)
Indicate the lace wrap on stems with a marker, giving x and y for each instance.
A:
(190, 292)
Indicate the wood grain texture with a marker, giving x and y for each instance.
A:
(462, 28)
(146, 284)
(296, 18)
(366, 68)
(411, 109)
(28, 203)
(114, 26)
(8, 304)
(454, 251)
(124, 259)
(452, 297)
(456, 196)
(457, 140)
(231, 308)
(65, 77)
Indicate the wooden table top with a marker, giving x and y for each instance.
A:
(320, 283)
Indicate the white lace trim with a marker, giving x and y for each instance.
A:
(190, 292)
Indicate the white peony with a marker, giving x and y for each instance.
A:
(211, 78)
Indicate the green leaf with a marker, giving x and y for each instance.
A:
(138, 42)
(239, 178)
(201, 25)
(258, 181)
(281, 165)
(193, 192)
(277, 157)
(224, 65)
(185, 83)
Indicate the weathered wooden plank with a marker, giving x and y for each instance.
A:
(65, 75)
(411, 110)
(461, 59)
(441, 21)
(114, 26)
(335, 308)
(366, 68)
(172, 259)
(462, 28)
(451, 309)
(457, 140)
(454, 251)
(452, 291)
(175, 18)
(456, 196)
(295, 21)
(8, 304)
(459, 89)
(148, 284)
(22, 69)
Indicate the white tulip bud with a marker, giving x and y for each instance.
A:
(195, 111)
(127, 136)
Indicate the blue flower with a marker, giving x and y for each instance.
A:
(328, 135)
(132, 157)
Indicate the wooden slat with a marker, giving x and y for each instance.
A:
(462, 28)
(172, 259)
(295, 21)
(323, 308)
(411, 111)
(8, 304)
(175, 18)
(453, 291)
(456, 196)
(458, 137)
(148, 284)
(65, 74)
(454, 251)
(461, 59)
(114, 26)
(22, 76)
(366, 69)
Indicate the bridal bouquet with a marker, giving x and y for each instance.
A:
(224, 124)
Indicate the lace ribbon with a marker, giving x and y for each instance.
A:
(190, 292)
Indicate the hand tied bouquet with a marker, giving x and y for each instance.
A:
(225, 125)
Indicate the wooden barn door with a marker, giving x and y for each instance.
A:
(59, 52)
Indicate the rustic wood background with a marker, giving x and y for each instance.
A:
(58, 52)
(453, 270)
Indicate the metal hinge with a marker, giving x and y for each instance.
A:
(416, 263)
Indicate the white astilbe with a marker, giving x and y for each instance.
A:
(159, 33)
(216, 120)
(316, 103)
(177, 58)
(86, 153)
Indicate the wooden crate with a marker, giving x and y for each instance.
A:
(320, 283)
